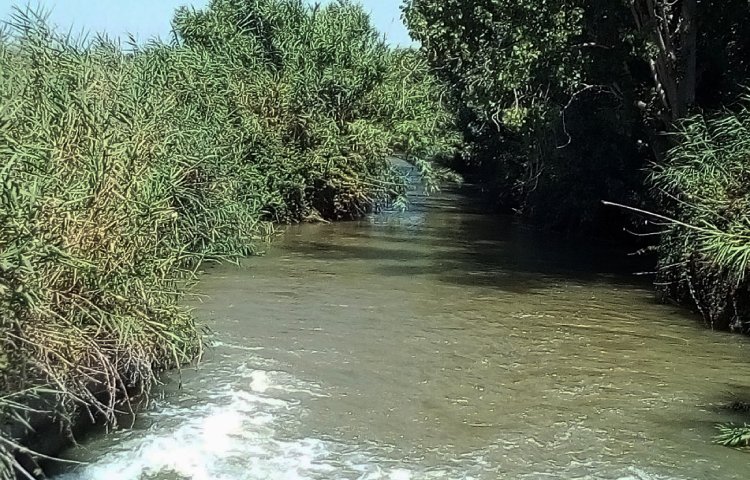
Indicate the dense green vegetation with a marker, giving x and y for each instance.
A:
(704, 185)
(125, 168)
(565, 104)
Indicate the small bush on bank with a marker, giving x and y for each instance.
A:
(704, 184)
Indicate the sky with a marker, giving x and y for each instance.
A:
(146, 19)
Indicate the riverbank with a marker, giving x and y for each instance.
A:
(125, 170)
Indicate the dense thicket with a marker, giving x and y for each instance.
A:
(563, 101)
(122, 170)
(704, 185)
(566, 103)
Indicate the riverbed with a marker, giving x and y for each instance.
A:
(440, 342)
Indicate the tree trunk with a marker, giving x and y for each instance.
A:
(688, 52)
(671, 28)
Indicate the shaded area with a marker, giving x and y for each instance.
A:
(467, 248)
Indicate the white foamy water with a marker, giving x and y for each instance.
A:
(235, 437)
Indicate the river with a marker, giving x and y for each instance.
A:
(436, 343)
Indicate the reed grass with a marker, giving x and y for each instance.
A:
(124, 167)
(704, 184)
(735, 436)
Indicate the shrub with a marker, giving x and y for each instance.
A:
(704, 185)
(123, 170)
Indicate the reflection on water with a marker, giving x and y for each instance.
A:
(437, 343)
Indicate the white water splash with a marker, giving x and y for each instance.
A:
(234, 438)
(259, 381)
(235, 435)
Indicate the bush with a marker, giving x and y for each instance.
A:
(123, 170)
(704, 185)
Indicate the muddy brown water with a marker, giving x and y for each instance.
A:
(437, 343)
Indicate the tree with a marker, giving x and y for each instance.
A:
(671, 30)
(504, 59)
(553, 78)
(525, 71)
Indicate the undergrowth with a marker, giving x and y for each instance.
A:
(733, 436)
(704, 185)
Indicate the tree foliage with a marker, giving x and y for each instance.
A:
(552, 81)
(503, 58)
(521, 71)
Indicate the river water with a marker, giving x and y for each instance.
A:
(436, 343)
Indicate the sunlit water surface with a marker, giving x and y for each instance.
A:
(436, 343)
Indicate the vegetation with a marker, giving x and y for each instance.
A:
(567, 103)
(704, 184)
(124, 169)
(733, 436)
(539, 111)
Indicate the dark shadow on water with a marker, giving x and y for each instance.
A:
(444, 238)
(334, 252)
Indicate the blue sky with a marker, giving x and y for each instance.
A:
(149, 18)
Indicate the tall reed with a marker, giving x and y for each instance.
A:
(704, 184)
(122, 169)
